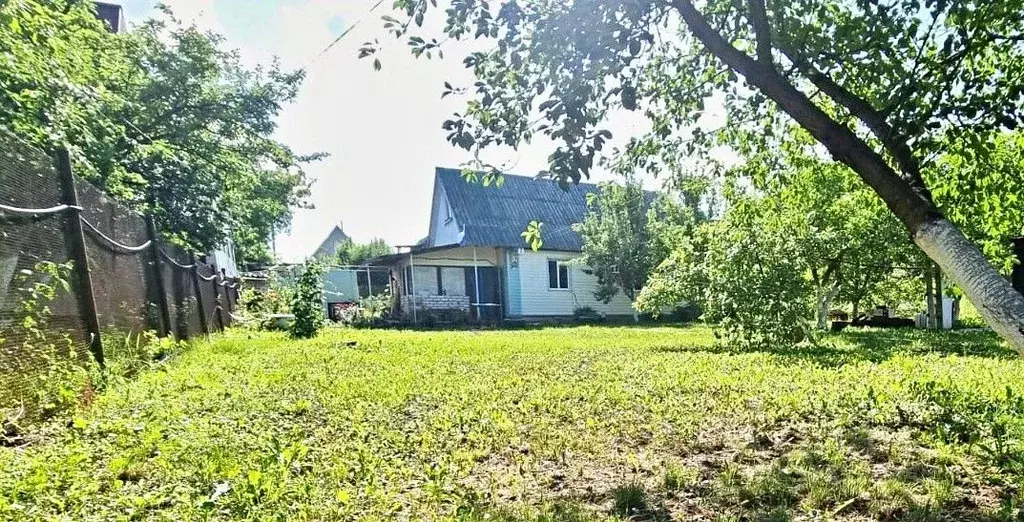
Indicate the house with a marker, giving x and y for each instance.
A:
(474, 258)
(112, 14)
(329, 247)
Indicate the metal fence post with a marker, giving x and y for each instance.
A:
(197, 288)
(161, 289)
(86, 298)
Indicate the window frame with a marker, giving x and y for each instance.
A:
(564, 284)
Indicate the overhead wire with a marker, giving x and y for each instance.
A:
(340, 37)
(173, 153)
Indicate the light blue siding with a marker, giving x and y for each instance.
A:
(514, 288)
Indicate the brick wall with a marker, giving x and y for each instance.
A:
(437, 302)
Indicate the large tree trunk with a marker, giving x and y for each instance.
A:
(999, 304)
(825, 305)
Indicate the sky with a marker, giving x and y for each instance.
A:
(382, 129)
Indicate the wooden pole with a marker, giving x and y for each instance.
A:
(76, 235)
(161, 288)
(929, 295)
(218, 284)
(476, 284)
(219, 316)
(180, 304)
(412, 285)
(501, 284)
(197, 288)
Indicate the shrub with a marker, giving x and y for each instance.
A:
(308, 301)
(586, 314)
(750, 284)
(136, 352)
(276, 299)
(59, 374)
(368, 311)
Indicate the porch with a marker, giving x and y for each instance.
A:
(449, 284)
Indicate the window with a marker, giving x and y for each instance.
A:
(558, 275)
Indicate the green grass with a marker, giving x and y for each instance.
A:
(563, 424)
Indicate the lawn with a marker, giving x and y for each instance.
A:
(583, 423)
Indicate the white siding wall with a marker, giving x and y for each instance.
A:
(446, 229)
(539, 300)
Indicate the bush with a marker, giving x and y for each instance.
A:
(368, 311)
(276, 299)
(686, 313)
(586, 314)
(751, 284)
(308, 301)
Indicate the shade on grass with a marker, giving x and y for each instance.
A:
(585, 423)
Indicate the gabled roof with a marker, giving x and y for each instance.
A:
(497, 216)
(329, 247)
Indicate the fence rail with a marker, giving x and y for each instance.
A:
(123, 279)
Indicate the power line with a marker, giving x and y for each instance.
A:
(341, 36)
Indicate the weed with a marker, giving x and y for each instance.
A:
(536, 425)
(629, 499)
(679, 477)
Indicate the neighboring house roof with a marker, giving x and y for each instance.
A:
(329, 246)
(497, 216)
(112, 14)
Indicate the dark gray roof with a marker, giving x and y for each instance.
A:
(497, 216)
(330, 244)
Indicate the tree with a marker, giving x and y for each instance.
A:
(307, 302)
(352, 253)
(790, 244)
(747, 278)
(626, 233)
(843, 235)
(881, 86)
(983, 193)
(161, 118)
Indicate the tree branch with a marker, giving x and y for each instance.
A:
(1007, 37)
(865, 112)
(762, 31)
(913, 207)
